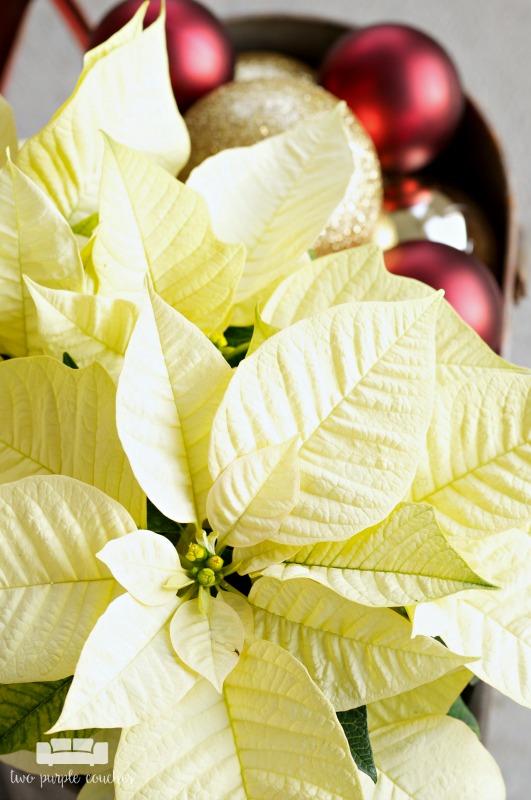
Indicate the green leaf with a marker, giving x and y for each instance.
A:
(37, 242)
(431, 758)
(270, 734)
(27, 710)
(114, 683)
(404, 560)
(370, 654)
(93, 327)
(68, 361)
(151, 224)
(26, 760)
(53, 588)
(460, 710)
(236, 336)
(361, 411)
(354, 723)
(359, 274)
(275, 197)
(125, 91)
(171, 384)
(158, 523)
(56, 420)
(234, 355)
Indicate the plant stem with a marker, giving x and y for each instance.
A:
(188, 595)
(226, 585)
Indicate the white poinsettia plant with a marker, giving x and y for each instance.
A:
(338, 470)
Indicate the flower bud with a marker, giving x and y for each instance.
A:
(196, 552)
(206, 577)
(215, 563)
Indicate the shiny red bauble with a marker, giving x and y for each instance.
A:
(402, 87)
(468, 285)
(200, 54)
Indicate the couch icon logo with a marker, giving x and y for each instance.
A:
(72, 751)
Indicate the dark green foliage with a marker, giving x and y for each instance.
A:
(354, 723)
(158, 523)
(460, 710)
(27, 710)
(68, 361)
(238, 336)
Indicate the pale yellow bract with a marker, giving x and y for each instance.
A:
(53, 588)
(36, 242)
(299, 176)
(115, 93)
(404, 560)
(164, 232)
(8, 132)
(412, 757)
(58, 421)
(253, 745)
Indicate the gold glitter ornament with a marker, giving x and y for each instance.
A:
(243, 113)
(256, 64)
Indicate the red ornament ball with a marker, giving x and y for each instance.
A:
(402, 87)
(200, 54)
(469, 286)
